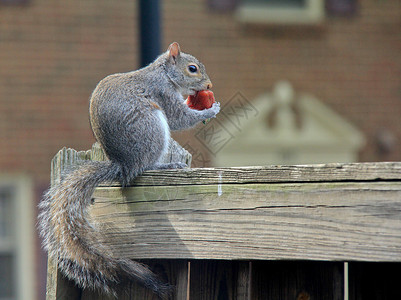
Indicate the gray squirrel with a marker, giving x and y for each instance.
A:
(131, 115)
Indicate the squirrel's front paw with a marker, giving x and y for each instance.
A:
(213, 111)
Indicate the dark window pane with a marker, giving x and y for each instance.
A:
(6, 212)
(7, 276)
(223, 5)
(341, 7)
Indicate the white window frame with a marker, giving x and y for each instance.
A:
(312, 13)
(24, 225)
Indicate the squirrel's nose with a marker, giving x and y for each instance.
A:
(209, 85)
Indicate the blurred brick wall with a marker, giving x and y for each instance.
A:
(353, 64)
(52, 54)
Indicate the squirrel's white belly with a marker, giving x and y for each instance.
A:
(166, 129)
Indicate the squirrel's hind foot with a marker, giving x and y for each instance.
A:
(173, 165)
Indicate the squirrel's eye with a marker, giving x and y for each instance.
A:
(192, 68)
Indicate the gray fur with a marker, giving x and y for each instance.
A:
(126, 113)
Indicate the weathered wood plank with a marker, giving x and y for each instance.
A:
(311, 221)
(315, 212)
(274, 174)
(218, 280)
(58, 286)
(174, 272)
(244, 278)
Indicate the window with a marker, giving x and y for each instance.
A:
(7, 240)
(16, 238)
(341, 7)
(281, 11)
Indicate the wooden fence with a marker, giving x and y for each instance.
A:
(277, 232)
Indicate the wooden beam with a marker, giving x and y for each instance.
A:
(236, 215)
(333, 172)
(253, 216)
(58, 286)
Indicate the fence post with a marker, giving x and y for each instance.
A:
(57, 286)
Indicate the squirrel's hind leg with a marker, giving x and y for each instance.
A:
(172, 165)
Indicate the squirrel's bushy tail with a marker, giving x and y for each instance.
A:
(68, 236)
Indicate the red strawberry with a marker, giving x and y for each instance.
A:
(201, 100)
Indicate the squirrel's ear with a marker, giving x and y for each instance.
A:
(173, 52)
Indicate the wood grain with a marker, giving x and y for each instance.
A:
(333, 172)
(57, 285)
(312, 221)
(220, 280)
(175, 272)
